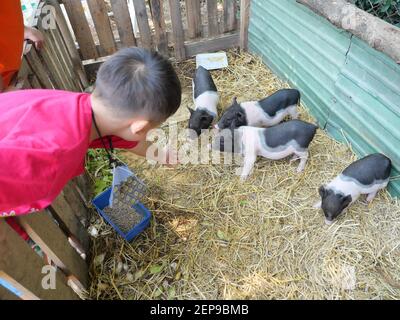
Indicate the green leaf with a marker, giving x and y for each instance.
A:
(156, 269)
(158, 293)
(221, 235)
(171, 293)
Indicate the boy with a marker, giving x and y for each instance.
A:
(44, 134)
(12, 35)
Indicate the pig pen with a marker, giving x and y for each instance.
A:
(215, 237)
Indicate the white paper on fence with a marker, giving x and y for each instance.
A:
(212, 61)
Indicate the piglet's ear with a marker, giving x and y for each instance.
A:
(190, 110)
(234, 100)
(322, 191)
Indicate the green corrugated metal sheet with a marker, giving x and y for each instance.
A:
(351, 89)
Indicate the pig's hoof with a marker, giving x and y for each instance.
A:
(371, 197)
(243, 178)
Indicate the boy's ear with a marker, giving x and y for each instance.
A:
(139, 125)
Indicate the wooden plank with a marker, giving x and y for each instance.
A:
(244, 23)
(60, 58)
(48, 68)
(84, 187)
(69, 43)
(34, 82)
(6, 294)
(69, 66)
(37, 66)
(230, 21)
(21, 267)
(61, 45)
(216, 44)
(75, 201)
(51, 57)
(43, 230)
(157, 13)
(193, 13)
(69, 222)
(21, 79)
(99, 13)
(212, 13)
(53, 60)
(143, 23)
(81, 28)
(124, 23)
(177, 29)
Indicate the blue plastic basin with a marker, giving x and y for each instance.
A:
(102, 201)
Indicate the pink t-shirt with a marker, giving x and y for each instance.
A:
(44, 136)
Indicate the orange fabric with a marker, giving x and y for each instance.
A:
(11, 38)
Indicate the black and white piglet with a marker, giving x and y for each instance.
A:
(264, 113)
(206, 98)
(365, 176)
(278, 142)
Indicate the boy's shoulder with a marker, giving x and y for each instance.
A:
(34, 95)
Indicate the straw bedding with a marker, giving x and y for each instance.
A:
(215, 237)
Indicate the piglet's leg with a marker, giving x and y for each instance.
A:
(303, 161)
(249, 160)
(295, 157)
(294, 114)
(371, 196)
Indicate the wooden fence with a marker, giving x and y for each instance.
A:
(59, 230)
(58, 65)
(176, 28)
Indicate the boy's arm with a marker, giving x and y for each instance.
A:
(148, 150)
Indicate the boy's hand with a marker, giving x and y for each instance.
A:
(35, 36)
(164, 156)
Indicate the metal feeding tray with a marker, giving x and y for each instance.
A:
(120, 205)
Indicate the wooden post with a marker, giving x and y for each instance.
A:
(177, 29)
(244, 24)
(193, 13)
(124, 23)
(81, 28)
(143, 23)
(101, 21)
(159, 26)
(230, 21)
(212, 12)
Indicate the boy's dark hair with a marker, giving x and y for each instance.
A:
(135, 81)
